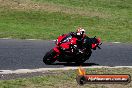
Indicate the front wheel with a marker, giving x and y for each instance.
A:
(49, 57)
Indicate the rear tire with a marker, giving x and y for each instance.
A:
(81, 60)
(49, 57)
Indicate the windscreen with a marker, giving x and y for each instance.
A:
(66, 39)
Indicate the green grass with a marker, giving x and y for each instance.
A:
(109, 19)
(65, 79)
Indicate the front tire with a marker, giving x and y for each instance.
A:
(49, 57)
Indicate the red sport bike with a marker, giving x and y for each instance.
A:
(66, 50)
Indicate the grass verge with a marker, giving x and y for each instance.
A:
(65, 79)
(44, 19)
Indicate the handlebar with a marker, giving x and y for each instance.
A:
(98, 45)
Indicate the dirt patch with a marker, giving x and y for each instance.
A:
(25, 5)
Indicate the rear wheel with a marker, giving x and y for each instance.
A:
(82, 59)
(49, 57)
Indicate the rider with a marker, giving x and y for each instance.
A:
(79, 34)
(76, 42)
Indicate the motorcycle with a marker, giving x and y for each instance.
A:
(66, 50)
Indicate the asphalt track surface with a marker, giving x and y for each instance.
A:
(28, 54)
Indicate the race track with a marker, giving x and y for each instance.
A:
(28, 54)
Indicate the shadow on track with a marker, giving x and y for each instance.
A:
(74, 64)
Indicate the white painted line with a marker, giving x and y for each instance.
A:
(5, 38)
(26, 39)
(116, 42)
(18, 71)
(54, 40)
(31, 39)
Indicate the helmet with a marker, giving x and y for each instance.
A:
(80, 31)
